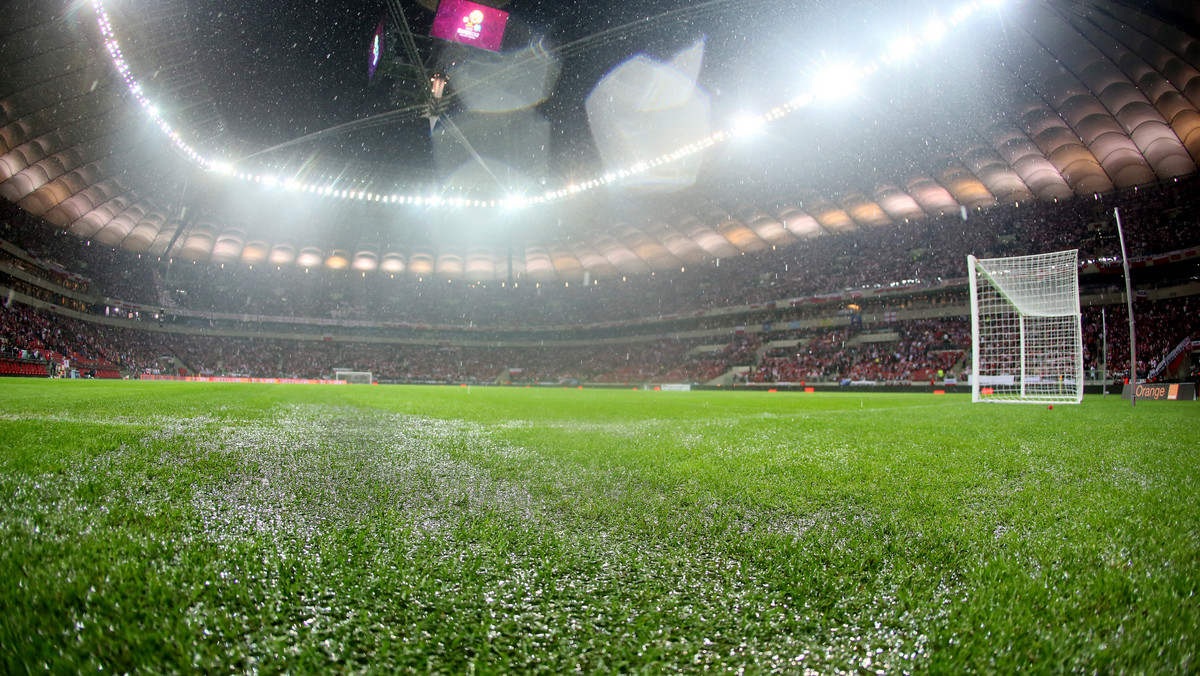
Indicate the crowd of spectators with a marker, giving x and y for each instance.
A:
(66, 344)
(632, 363)
(913, 351)
(79, 263)
(702, 365)
(1157, 219)
(894, 352)
(1159, 326)
(924, 344)
(14, 257)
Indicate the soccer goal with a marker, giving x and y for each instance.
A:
(354, 377)
(1026, 339)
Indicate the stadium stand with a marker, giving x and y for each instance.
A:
(106, 312)
(1159, 219)
(910, 352)
(1160, 326)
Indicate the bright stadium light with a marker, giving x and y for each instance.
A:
(836, 81)
(935, 30)
(902, 48)
(961, 14)
(746, 125)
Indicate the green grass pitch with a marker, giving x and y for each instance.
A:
(170, 527)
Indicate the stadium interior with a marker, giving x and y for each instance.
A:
(611, 199)
(711, 336)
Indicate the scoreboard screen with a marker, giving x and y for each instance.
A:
(470, 23)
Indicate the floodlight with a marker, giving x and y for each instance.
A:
(746, 124)
(902, 47)
(836, 81)
(935, 30)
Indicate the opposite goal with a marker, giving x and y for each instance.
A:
(354, 377)
(1026, 339)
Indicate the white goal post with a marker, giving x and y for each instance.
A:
(1026, 336)
(354, 377)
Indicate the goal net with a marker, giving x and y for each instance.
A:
(1026, 340)
(354, 377)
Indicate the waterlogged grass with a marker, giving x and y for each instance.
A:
(181, 527)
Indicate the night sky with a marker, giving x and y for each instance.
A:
(281, 70)
(278, 71)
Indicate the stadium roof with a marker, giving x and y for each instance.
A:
(605, 139)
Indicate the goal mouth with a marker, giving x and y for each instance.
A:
(354, 377)
(1026, 332)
